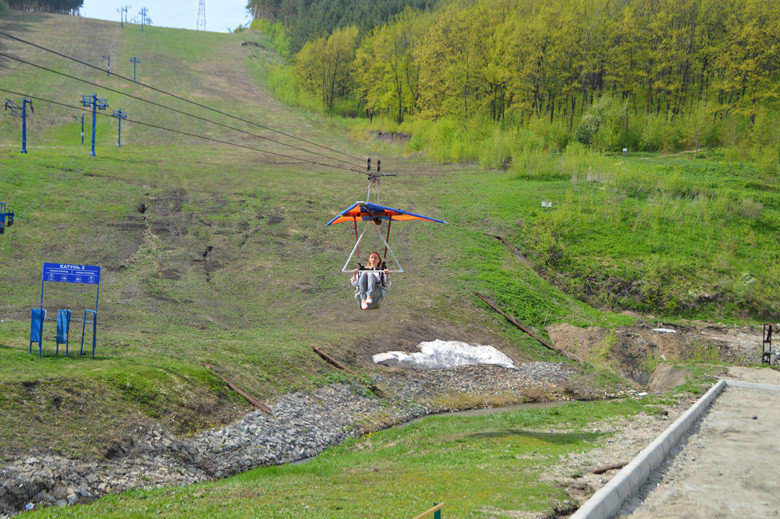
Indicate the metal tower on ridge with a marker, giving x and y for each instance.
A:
(201, 16)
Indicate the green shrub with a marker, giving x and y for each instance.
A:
(588, 127)
(347, 107)
(674, 137)
(532, 164)
(419, 129)
(497, 151)
(603, 125)
(582, 165)
(652, 138)
(750, 209)
(555, 135)
(283, 84)
(276, 32)
(527, 140)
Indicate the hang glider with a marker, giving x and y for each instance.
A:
(367, 211)
(373, 215)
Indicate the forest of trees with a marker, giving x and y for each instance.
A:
(589, 62)
(309, 19)
(46, 6)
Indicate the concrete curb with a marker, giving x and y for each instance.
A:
(751, 385)
(607, 501)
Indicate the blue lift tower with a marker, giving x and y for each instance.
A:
(20, 111)
(135, 61)
(119, 114)
(96, 104)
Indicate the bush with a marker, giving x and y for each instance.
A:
(768, 160)
(444, 137)
(582, 165)
(750, 209)
(588, 127)
(556, 134)
(532, 164)
(603, 125)
(284, 85)
(349, 108)
(652, 133)
(419, 129)
(674, 136)
(276, 32)
(498, 148)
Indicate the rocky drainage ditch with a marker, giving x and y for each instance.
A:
(301, 425)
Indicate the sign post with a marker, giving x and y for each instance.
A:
(81, 274)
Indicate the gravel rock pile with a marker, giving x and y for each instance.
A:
(477, 380)
(302, 425)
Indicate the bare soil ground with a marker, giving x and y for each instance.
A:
(633, 350)
(728, 454)
(726, 468)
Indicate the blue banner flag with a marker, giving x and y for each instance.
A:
(64, 273)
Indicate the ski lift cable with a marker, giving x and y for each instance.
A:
(101, 69)
(189, 134)
(51, 184)
(159, 105)
(46, 141)
(18, 163)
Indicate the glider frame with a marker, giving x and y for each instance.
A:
(387, 246)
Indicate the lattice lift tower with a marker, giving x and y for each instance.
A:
(201, 16)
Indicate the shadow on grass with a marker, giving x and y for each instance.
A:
(556, 438)
(73, 355)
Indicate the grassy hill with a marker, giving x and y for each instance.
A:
(219, 254)
(212, 253)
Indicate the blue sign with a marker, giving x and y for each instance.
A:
(64, 273)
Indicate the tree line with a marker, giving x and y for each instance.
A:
(46, 6)
(525, 59)
(309, 19)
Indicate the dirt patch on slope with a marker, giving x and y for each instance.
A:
(666, 377)
(633, 350)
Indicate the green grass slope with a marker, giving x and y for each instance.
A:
(212, 253)
(478, 466)
(217, 254)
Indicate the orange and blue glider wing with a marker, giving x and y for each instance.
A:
(368, 211)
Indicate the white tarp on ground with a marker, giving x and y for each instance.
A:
(444, 354)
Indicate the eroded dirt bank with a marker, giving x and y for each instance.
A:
(634, 350)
